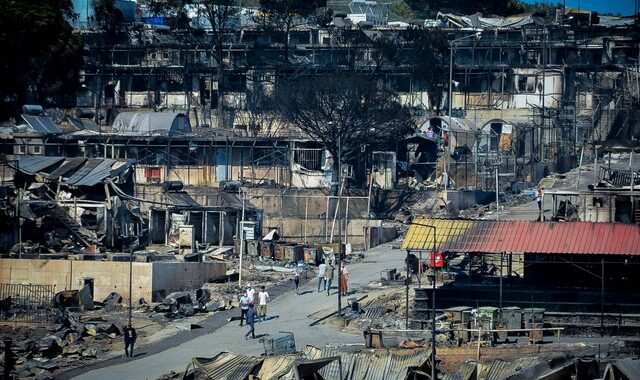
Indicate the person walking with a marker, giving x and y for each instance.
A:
(251, 320)
(296, 280)
(263, 298)
(328, 276)
(130, 337)
(244, 307)
(539, 191)
(251, 293)
(344, 279)
(321, 269)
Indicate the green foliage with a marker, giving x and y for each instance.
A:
(280, 14)
(401, 10)
(40, 56)
(174, 10)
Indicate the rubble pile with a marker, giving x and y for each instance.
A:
(384, 312)
(506, 200)
(41, 351)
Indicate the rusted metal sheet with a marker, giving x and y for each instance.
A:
(490, 236)
(369, 366)
(224, 366)
(275, 367)
(627, 368)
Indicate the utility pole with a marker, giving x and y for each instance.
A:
(446, 148)
(241, 240)
(497, 194)
(340, 272)
(18, 199)
(131, 241)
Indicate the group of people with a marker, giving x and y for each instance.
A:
(249, 302)
(326, 272)
(253, 307)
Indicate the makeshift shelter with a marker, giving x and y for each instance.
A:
(150, 123)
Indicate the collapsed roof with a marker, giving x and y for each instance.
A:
(74, 171)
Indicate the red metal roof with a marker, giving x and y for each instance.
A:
(490, 236)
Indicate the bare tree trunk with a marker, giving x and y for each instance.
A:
(335, 177)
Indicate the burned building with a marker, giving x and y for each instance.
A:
(74, 202)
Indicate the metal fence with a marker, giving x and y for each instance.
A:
(26, 303)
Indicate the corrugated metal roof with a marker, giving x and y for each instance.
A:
(274, 367)
(368, 366)
(629, 367)
(81, 171)
(41, 124)
(225, 366)
(500, 370)
(67, 166)
(101, 171)
(181, 198)
(35, 164)
(308, 369)
(467, 371)
(490, 236)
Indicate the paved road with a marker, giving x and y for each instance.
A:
(292, 311)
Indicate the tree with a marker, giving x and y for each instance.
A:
(344, 112)
(217, 13)
(402, 10)
(259, 115)
(281, 15)
(424, 52)
(427, 53)
(174, 10)
(41, 57)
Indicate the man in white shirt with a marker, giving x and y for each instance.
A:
(251, 293)
(321, 269)
(263, 298)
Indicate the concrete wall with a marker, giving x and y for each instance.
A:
(110, 276)
(172, 277)
(381, 235)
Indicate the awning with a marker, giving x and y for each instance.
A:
(491, 236)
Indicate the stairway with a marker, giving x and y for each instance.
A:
(85, 236)
(636, 215)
